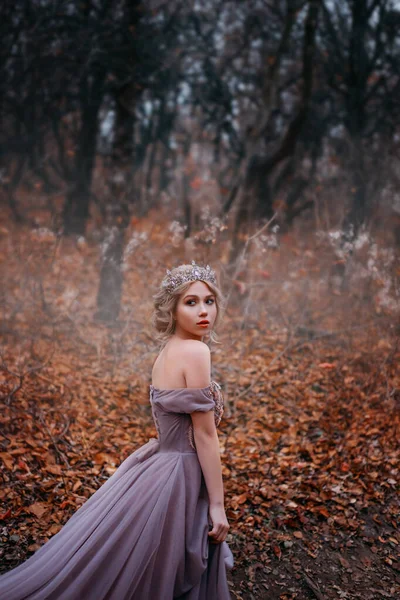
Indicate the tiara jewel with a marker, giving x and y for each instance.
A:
(193, 273)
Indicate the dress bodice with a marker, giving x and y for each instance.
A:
(171, 409)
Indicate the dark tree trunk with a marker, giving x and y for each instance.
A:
(164, 168)
(76, 208)
(121, 165)
(111, 279)
(257, 199)
(11, 185)
(125, 96)
(123, 129)
(186, 205)
(357, 83)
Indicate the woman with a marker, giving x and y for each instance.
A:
(156, 529)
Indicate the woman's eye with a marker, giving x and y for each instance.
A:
(210, 299)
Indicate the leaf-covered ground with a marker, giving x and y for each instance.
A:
(309, 439)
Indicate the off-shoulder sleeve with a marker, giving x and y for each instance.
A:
(187, 400)
(197, 400)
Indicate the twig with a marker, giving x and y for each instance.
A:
(243, 252)
(20, 376)
(313, 587)
(59, 453)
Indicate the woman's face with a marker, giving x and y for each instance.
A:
(195, 305)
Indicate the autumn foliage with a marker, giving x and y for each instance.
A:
(310, 434)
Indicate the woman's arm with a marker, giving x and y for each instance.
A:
(197, 374)
(207, 446)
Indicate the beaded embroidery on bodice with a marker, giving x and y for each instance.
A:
(216, 393)
(155, 419)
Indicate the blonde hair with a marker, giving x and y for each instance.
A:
(165, 303)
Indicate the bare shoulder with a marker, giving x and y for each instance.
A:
(196, 364)
(195, 347)
(194, 351)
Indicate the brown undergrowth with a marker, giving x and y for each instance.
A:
(309, 438)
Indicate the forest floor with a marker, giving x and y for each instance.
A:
(309, 437)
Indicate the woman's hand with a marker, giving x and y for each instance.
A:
(220, 524)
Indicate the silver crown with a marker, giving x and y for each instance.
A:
(193, 273)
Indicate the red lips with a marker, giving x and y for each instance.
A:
(203, 322)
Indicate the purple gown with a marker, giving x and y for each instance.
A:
(143, 535)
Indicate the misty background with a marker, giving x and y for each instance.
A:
(233, 129)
